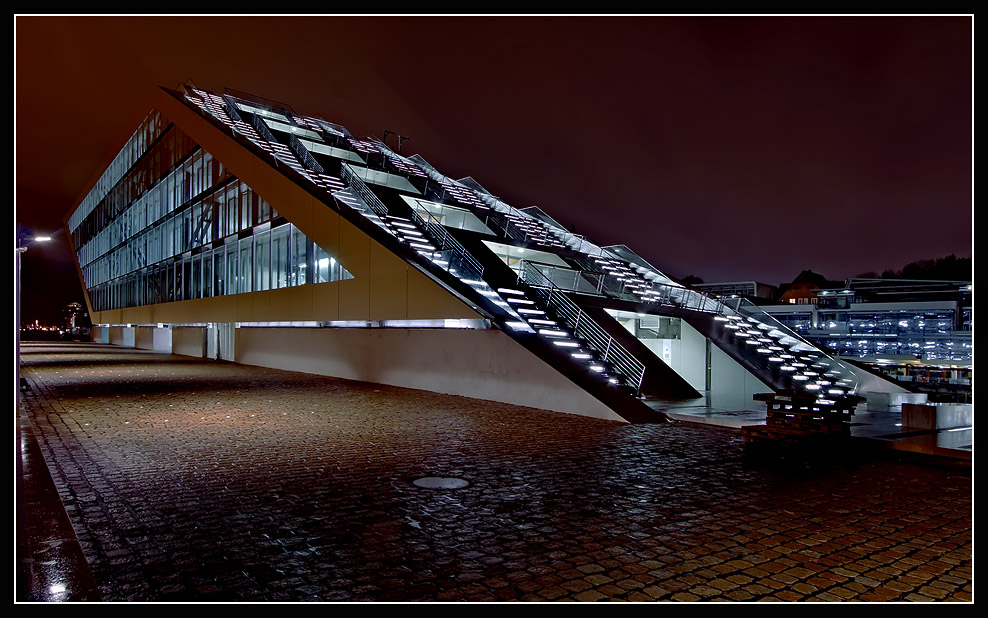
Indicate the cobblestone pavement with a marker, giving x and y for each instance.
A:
(191, 480)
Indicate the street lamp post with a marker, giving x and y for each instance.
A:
(23, 242)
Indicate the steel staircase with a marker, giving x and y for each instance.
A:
(533, 305)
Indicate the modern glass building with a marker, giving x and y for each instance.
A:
(232, 227)
(916, 331)
(873, 319)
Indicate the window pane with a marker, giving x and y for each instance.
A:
(262, 261)
(246, 265)
(279, 257)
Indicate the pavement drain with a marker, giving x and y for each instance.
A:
(440, 482)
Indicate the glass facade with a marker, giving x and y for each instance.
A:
(142, 139)
(168, 222)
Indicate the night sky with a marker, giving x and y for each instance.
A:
(730, 148)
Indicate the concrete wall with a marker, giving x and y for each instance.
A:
(144, 337)
(212, 342)
(485, 364)
(122, 335)
(731, 385)
(938, 416)
(690, 356)
(162, 340)
(100, 334)
(687, 355)
(226, 341)
(188, 341)
(153, 338)
(884, 401)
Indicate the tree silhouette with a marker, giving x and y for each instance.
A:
(948, 268)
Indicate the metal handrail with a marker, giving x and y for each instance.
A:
(574, 279)
(437, 233)
(446, 242)
(583, 325)
(687, 298)
(231, 109)
(262, 128)
(303, 154)
(502, 223)
(357, 183)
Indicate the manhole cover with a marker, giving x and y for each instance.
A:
(439, 482)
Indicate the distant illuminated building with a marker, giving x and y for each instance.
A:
(749, 289)
(235, 228)
(889, 319)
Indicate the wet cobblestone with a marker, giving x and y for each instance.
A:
(189, 480)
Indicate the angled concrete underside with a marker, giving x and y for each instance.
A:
(485, 364)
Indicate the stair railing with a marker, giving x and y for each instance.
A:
(356, 183)
(445, 241)
(584, 326)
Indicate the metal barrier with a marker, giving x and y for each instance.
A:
(445, 242)
(584, 326)
(356, 183)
